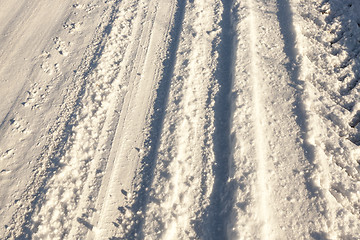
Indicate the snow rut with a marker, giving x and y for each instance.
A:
(182, 181)
(270, 161)
(119, 214)
(206, 120)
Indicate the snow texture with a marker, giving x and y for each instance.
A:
(217, 119)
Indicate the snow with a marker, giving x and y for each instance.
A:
(179, 119)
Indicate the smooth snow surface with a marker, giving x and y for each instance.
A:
(216, 119)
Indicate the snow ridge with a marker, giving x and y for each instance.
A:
(119, 212)
(258, 113)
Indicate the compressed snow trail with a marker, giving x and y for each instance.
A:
(258, 114)
(271, 160)
(182, 182)
(143, 64)
(217, 119)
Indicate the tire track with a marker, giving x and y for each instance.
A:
(183, 179)
(261, 150)
(297, 69)
(224, 119)
(269, 160)
(119, 210)
(217, 212)
(113, 62)
(247, 25)
(145, 174)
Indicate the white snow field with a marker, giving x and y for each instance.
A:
(180, 119)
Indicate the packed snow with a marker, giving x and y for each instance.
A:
(216, 119)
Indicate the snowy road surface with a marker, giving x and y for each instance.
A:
(216, 119)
